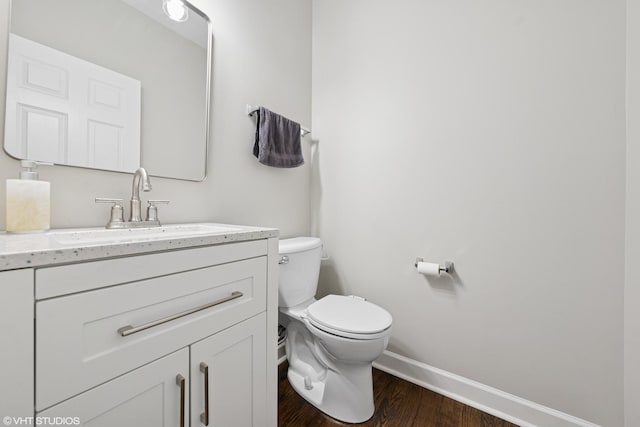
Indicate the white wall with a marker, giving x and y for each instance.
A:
(632, 288)
(261, 56)
(491, 133)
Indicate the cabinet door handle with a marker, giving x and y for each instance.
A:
(204, 417)
(180, 382)
(129, 330)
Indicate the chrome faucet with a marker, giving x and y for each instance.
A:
(140, 180)
(140, 177)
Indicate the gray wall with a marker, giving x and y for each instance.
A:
(632, 288)
(491, 133)
(261, 55)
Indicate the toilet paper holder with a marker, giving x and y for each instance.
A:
(446, 268)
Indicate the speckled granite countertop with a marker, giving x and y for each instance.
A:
(63, 246)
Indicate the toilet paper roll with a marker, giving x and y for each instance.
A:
(428, 268)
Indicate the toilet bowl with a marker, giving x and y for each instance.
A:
(332, 341)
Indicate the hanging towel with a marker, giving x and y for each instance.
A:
(277, 141)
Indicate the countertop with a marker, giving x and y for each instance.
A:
(61, 246)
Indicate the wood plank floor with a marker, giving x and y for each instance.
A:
(398, 403)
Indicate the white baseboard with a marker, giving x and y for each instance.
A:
(488, 399)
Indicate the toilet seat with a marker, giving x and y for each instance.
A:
(349, 317)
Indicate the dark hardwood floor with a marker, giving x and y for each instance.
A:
(398, 403)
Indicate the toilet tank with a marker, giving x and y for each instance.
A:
(299, 270)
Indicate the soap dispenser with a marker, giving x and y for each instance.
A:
(28, 201)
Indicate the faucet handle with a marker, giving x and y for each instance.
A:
(152, 209)
(117, 211)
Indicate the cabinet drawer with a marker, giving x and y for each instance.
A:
(79, 342)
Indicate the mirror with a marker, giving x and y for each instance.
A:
(110, 84)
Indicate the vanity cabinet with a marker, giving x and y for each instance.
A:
(16, 343)
(176, 338)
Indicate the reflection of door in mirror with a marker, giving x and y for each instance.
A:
(65, 110)
(136, 40)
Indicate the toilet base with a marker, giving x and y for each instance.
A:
(332, 373)
(346, 395)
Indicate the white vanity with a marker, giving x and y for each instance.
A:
(172, 327)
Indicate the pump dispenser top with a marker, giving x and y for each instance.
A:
(28, 172)
(28, 201)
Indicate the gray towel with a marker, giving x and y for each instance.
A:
(277, 140)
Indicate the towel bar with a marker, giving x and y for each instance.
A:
(252, 109)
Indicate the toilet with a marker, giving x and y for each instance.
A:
(331, 342)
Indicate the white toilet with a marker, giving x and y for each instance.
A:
(331, 342)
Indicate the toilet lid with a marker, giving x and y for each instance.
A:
(298, 244)
(349, 314)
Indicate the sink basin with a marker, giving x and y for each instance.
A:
(103, 236)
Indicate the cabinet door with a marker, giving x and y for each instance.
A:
(231, 368)
(154, 395)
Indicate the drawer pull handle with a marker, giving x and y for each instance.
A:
(204, 417)
(180, 383)
(129, 330)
